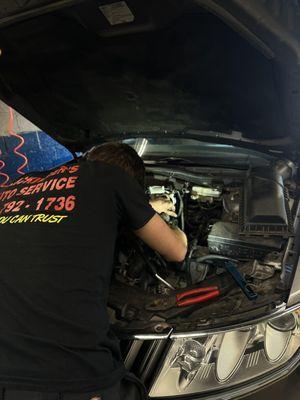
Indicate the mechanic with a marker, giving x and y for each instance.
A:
(57, 250)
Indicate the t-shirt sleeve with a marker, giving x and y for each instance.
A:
(133, 206)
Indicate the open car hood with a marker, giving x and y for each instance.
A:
(83, 70)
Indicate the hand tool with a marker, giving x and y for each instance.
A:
(230, 265)
(197, 295)
(186, 298)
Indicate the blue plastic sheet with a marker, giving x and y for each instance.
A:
(42, 152)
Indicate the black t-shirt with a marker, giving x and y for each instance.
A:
(57, 236)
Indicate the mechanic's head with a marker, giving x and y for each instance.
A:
(122, 155)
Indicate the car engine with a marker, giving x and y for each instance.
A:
(243, 216)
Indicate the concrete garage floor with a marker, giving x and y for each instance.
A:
(287, 389)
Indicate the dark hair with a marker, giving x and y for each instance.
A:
(122, 155)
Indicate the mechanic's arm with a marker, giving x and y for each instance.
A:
(170, 243)
(135, 211)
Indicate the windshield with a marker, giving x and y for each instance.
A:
(195, 151)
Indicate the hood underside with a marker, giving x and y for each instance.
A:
(95, 68)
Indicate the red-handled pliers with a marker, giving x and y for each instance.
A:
(184, 299)
(199, 295)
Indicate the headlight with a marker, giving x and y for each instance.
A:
(223, 360)
(278, 334)
(231, 353)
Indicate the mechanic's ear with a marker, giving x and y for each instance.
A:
(170, 243)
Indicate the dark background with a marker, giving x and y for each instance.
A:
(287, 389)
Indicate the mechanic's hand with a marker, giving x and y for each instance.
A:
(163, 205)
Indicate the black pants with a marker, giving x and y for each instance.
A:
(130, 388)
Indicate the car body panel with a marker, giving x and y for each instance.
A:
(246, 81)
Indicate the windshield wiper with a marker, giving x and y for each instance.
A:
(175, 160)
(185, 161)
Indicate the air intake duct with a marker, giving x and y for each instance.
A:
(264, 208)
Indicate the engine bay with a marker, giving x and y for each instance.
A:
(239, 224)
